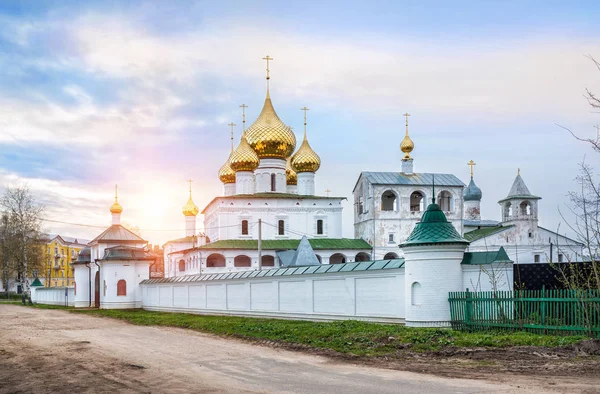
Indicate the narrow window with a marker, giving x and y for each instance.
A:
(416, 294)
(320, 227)
(281, 227)
(122, 288)
(273, 180)
(560, 258)
(536, 258)
(391, 238)
(244, 227)
(530, 234)
(181, 266)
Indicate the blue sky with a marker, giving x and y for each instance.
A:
(140, 94)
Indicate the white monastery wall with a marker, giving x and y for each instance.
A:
(114, 271)
(489, 277)
(374, 296)
(53, 295)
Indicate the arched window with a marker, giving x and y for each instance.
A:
(268, 261)
(362, 256)
(319, 226)
(416, 202)
(242, 261)
(507, 210)
(415, 292)
(122, 288)
(281, 227)
(244, 227)
(181, 265)
(337, 258)
(445, 201)
(390, 256)
(215, 260)
(389, 201)
(391, 238)
(525, 208)
(273, 182)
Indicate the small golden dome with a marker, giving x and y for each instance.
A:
(305, 159)
(244, 158)
(269, 136)
(226, 173)
(116, 207)
(407, 146)
(290, 175)
(190, 209)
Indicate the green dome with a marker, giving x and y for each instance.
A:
(434, 228)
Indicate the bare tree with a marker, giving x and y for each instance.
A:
(22, 234)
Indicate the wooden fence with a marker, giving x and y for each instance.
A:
(558, 312)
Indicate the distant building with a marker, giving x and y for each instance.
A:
(59, 252)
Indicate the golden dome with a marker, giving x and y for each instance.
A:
(116, 207)
(244, 158)
(190, 209)
(407, 145)
(305, 159)
(269, 136)
(226, 173)
(290, 175)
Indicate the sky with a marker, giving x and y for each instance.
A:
(139, 94)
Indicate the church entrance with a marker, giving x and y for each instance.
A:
(97, 290)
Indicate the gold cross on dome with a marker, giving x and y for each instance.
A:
(327, 191)
(243, 107)
(304, 109)
(471, 164)
(190, 182)
(406, 115)
(267, 58)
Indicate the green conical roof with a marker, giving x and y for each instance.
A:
(434, 228)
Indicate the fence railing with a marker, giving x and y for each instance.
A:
(558, 312)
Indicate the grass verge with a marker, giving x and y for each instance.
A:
(349, 337)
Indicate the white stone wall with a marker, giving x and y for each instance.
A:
(190, 226)
(223, 218)
(488, 277)
(83, 275)
(195, 260)
(244, 182)
(374, 296)
(228, 189)
(306, 183)
(263, 173)
(53, 295)
(375, 225)
(133, 272)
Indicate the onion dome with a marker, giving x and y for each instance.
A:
(116, 207)
(244, 158)
(190, 209)
(226, 173)
(305, 159)
(407, 145)
(290, 175)
(472, 192)
(269, 136)
(434, 228)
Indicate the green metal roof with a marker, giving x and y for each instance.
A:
(293, 271)
(474, 235)
(433, 228)
(36, 283)
(479, 258)
(285, 244)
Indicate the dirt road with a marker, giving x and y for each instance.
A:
(48, 351)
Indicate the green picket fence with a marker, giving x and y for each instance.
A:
(557, 312)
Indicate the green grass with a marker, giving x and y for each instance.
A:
(350, 337)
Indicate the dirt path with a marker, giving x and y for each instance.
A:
(48, 351)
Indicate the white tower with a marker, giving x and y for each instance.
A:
(190, 210)
(433, 254)
(472, 197)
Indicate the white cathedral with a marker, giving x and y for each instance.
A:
(269, 187)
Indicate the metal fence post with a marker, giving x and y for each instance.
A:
(468, 307)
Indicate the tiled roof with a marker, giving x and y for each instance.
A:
(69, 240)
(284, 244)
(479, 258)
(433, 228)
(417, 179)
(306, 270)
(519, 190)
(474, 235)
(117, 233)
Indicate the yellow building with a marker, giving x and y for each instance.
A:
(59, 253)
